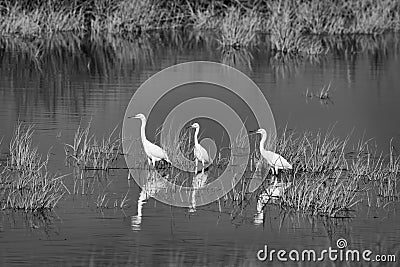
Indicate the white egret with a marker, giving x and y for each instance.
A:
(200, 154)
(275, 161)
(154, 153)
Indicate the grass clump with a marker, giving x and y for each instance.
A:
(127, 18)
(286, 30)
(88, 153)
(322, 94)
(284, 27)
(238, 28)
(25, 182)
(47, 19)
(322, 194)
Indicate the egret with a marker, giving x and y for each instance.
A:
(154, 153)
(275, 161)
(200, 154)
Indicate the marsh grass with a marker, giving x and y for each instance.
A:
(322, 94)
(238, 28)
(386, 179)
(291, 22)
(16, 19)
(25, 182)
(130, 18)
(88, 153)
(322, 194)
(237, 21)
(204, 19)
(284, 27)
(287, 35)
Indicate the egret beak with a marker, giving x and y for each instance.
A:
(253, 132)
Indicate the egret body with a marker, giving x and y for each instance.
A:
(276, 161)
(154, 153)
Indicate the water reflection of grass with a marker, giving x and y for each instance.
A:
(40, 221)
(240, 59)
(108, 56)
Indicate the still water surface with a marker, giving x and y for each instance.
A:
(74, 81)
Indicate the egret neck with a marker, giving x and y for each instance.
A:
(196, 133)
(143, 130)
(262, 142)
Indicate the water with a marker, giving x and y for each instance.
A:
(74, 81)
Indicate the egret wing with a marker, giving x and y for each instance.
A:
(203, 153)
(156, 151)
(277, 160)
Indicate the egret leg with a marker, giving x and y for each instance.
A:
(153, 161)
(202, 163)
(149, 161)
(272, 171)
(197, 163)
(274, 175)
(273, 180)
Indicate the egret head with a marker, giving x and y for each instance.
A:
(195, 125)
(261, 131)
(139, 116)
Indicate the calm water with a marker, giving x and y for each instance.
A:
(71, 81)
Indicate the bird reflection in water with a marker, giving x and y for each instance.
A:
(272, 193)
(199, 181)
(154, 183)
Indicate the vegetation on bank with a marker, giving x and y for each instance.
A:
(236, 22)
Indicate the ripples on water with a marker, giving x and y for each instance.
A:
(63, 81)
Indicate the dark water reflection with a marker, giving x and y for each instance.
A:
(62, 81)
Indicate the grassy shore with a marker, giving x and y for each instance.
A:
(235, 22)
